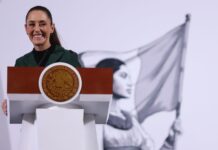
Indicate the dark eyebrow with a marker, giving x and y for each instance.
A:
(32, 21)
(42, 21)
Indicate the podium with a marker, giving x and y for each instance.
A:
(59, 126)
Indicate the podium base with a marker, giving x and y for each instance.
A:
(58, 129)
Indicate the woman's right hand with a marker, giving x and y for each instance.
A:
(4, 106)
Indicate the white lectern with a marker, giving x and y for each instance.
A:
(59, 105)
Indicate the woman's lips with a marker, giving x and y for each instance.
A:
(37, 35)
(129, 91)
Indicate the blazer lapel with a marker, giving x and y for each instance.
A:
(56, 55)
(31, 60)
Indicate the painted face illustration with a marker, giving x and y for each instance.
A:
(122, 84)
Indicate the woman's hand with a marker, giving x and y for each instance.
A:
(4, 106)
(177, 126)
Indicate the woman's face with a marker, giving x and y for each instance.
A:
(122, 84)
(39, 28)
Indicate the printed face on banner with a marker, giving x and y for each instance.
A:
(122, 84)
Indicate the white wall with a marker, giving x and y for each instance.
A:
(123, 25)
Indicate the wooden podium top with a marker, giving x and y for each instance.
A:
(25, 80)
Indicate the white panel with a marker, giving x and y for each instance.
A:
(60, 129)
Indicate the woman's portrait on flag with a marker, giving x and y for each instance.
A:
(150, 79)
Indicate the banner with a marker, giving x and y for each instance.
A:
(158, 69)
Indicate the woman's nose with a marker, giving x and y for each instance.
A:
(129, 84)
(37, 27)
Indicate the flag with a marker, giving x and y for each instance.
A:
(158, 86)
(170, 141)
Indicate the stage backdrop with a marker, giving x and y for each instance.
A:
(120, 26)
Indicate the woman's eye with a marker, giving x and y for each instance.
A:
(31, 25)
(123, 75)
(42, 24)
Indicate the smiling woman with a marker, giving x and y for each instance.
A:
(47, 48)
(39, 28)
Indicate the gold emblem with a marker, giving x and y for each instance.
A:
(60, 83)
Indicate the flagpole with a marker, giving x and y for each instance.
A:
(178, 108)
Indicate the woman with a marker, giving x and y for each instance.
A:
(47, 48)
(122, 132)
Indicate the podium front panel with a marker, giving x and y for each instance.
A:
(25, 97)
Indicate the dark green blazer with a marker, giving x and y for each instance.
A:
(58, 55)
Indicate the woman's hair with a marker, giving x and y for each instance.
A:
(110, 63)
(54, 40)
